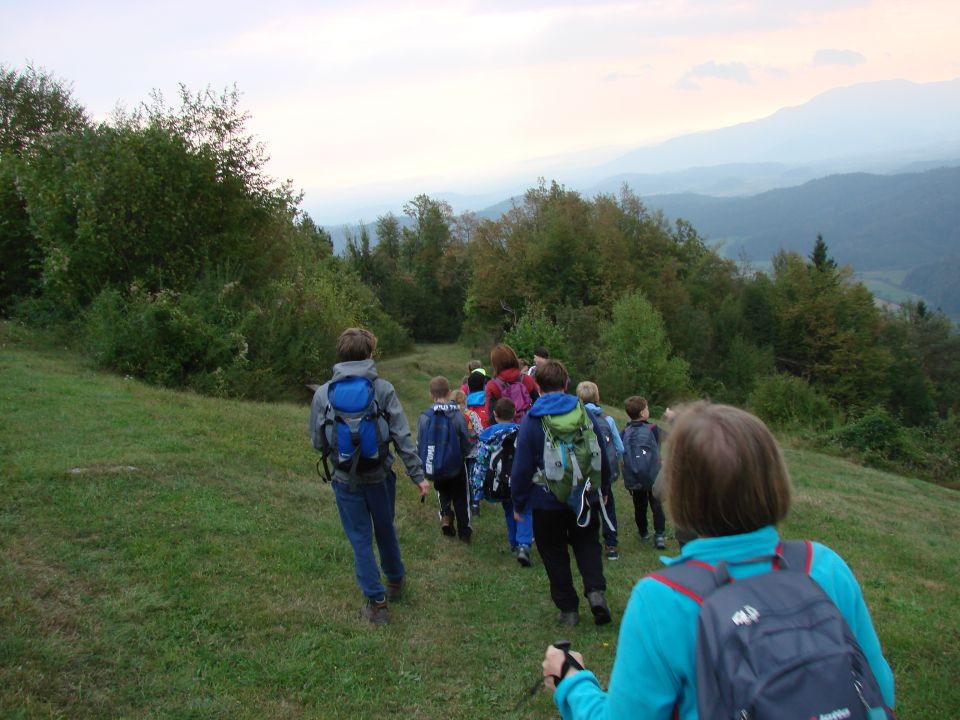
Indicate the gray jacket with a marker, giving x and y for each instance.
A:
(393, 426)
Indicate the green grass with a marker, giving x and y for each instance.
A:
(168, 555)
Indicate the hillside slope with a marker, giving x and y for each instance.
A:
(168, 555)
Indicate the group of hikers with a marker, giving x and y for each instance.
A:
(740, 624)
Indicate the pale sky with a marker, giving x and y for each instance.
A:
(362, 93)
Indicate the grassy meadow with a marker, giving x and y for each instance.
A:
(165, 555)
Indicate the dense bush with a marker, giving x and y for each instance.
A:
(878, 437)
(221, 340)
(786, 401)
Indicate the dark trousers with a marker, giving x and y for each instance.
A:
(555, 531)
(609, 534)
(453, 496)
(640, 500)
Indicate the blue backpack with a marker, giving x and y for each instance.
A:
(350, 428)
(775, 645)
(439, 445)
(641, 456)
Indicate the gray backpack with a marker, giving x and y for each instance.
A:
(775, 645)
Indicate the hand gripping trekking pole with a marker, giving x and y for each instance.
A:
(568, 661)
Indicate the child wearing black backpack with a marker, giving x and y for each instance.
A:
(443, 442)
(491, 477)
(790, 639)
(641, 465)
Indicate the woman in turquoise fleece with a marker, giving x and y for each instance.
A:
(726, 480)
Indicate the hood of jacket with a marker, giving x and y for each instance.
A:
(354, 368)
(553, 404)
(477, 397)
(510, 375)
(447, 407)
(488, 433)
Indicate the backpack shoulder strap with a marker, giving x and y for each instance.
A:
(798, 555)
(693, 578)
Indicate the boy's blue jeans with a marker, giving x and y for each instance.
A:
(518, 533)
(365, 514)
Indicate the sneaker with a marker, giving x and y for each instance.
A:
(514, 549)
(375, 611)
(446, 526)
(466, 538)
(613, 552)
(523, 555)
(475, 509)
(569, 618)
(598, 606)
(395, 589)
(644, 536)
(658, 542)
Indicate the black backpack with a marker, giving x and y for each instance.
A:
(775, 645)
(496, 479)
(641, 456)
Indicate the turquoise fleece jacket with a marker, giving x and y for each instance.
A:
(655, 665)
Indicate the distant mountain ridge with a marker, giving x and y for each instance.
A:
(871, 222)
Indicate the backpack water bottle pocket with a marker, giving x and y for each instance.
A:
(554, 461)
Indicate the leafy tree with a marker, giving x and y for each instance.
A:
(34, 105)
(636, 357)
(827, 331)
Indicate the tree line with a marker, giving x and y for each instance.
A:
(158, 242)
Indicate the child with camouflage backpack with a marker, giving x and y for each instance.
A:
(559, 465)
(491, 477)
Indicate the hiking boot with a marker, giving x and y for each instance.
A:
(569, 619)
(658, 542)
(475, 509)
(446, 526)
(467, 539)
(613, 552)
(644, 536)
(375, 611)
(523, 555)
(598, 606)
(395, 589)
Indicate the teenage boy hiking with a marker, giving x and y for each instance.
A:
(443, 443)
(589, 395)
(353, 418)
(560, 431)
(491, 477)
(641, 465)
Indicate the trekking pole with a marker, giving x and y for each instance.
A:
(563, 645)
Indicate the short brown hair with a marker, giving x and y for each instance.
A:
(724, 472)
(635, 405)
(502, 357)
(355, 344)
(439, 388)
(504, 409)
(588, 392)
(473, 365)
(552, 376)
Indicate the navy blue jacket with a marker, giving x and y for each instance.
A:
(528, 456)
